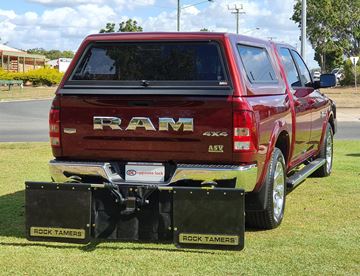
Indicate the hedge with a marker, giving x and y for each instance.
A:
(42, 76)
(349, 73)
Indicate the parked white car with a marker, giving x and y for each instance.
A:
(316, 75)
(339, 74)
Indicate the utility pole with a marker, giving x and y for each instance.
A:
(237, 10)
(179, 8)
(303, 29)
(354, 61)
(178, 15)
(355, 80)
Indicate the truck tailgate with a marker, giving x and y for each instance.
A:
(211, 116)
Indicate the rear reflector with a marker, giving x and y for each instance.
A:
(242, 145)
(54, 124)
(244, 131)
(55, 141)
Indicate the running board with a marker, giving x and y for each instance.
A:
(300, 176)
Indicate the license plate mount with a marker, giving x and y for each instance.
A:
(154, 172)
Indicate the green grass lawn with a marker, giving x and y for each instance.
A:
(320, 233)
(27, 93)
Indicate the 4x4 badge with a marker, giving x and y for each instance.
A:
(215, 133)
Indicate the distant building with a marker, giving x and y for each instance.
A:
(61, 64)
(15, 60)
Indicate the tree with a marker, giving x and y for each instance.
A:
(129, 26)
(349, 73)
(332, 27)
(110, 28)
(329, 59)
(204, 30)
(51, 54)
(68, 54)
(124, 26)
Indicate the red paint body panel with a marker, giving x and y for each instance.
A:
(209, 113)
(274, 107)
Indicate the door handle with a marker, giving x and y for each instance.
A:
(311, 101)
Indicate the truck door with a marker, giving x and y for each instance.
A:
(301, 87)
(319, 110)
(316, 102)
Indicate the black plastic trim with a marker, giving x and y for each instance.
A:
(210, 91)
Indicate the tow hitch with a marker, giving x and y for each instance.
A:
(190, 216)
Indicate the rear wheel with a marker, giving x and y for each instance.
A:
(326, 152)
(275, 183)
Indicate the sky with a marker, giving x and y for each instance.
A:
(63, 24)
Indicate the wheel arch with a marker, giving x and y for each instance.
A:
(280, 133)
(332, 123)
(331, 119)
(283, 143)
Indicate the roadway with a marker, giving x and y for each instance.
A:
(24, 121)
(27, 121)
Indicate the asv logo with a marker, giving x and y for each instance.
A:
(131, 172)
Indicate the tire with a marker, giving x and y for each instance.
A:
(275, 184)
(326, 152)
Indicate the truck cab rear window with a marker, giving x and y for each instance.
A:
(151, 61)
(257, 64)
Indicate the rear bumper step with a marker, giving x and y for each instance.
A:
(300, 176)
(245, 176)
(81, 212)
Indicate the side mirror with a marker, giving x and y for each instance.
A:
(326, 80)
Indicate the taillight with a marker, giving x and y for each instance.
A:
(54, 123)
(244, 133)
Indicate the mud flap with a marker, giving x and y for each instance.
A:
(209, 218)
(192, 217)
(58, 212)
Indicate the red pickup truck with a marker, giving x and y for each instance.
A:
(216, 112)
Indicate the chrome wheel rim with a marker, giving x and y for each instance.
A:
(329, 152)
(278, 191)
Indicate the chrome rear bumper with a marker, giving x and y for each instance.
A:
(65, 171)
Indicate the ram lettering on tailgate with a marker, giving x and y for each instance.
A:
(114, 123)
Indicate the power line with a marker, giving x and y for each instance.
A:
(237, 9)
(195, 4)
(179, 8)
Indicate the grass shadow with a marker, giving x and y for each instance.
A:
(353, 154)
(12, 215)
(107, 245)
(12, 224)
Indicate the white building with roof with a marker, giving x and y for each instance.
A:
(15, 60)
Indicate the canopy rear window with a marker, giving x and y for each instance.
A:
(129, 62)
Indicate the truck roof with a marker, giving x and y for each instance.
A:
(172, 35)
